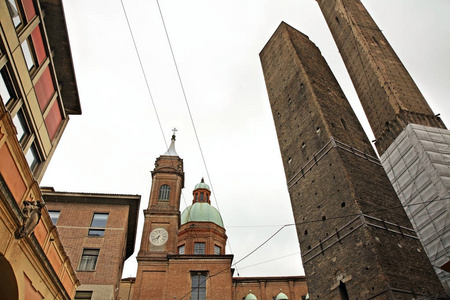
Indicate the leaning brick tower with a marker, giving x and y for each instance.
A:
(412, 141)
(388, 94)
(355, 238)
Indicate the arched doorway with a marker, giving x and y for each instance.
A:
(8, 282)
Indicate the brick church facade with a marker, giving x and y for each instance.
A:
(182, 256)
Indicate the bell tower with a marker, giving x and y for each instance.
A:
(161, 224)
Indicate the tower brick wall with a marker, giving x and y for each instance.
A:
(355, 238)
(389, 96)
(395, 108)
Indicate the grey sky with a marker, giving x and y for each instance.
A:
(112, 147)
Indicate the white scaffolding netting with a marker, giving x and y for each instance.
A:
(418, 165)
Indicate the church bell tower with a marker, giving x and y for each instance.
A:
(161, 224)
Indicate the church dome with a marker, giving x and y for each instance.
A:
(202, 185)
(201, 212)
(201, 209)
(250, 296)
(281, 296)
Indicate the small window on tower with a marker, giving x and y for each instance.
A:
(164, 192)
(217, 250)
(199, 248)
(201, 197)
(181, 250)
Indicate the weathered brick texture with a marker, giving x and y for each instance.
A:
(388, 94)
(354, 235)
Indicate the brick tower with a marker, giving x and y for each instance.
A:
(413, 142)
(355, 238)
(389, 96)
(161, 222)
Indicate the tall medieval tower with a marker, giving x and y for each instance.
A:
(355, 238)
(388, 94)
(413, 142)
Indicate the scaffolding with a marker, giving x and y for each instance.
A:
(418, 165)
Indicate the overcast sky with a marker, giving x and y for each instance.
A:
(112, 146)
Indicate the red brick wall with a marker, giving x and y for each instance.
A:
(73, 225)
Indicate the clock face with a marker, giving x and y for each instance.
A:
(159, 236)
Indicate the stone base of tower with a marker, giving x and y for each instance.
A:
(418, 165)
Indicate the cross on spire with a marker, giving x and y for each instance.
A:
(174, 131)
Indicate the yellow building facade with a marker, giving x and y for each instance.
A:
(34, 112)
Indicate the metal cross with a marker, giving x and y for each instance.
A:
(174, 130)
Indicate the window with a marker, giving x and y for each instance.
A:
(54, 215)
(201, 197)
(21, 126)
(198, 288)
(98, 224)
(83, 295)
(6, 87)
(181, 250)
(28, 54)
(88, 260)
(32, 157)
(217, 250)
(14, 12)
(199, 248)
(164, 192)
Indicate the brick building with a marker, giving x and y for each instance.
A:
(249, 288)
(98, 232)
(35, 62)
(412, 141)
(182, 256)
(355, 238)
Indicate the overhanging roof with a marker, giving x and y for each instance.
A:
(55, 25)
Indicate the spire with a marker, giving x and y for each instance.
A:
(171, 151)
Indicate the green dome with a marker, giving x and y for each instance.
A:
(281, 296)
(250, 296)
(201, 212)
(202, 185)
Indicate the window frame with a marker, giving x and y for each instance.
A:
(199, 250)
(18, 8)
(32, 157)
(164, 192)
(217, 247)
(32, 55)
(8, 84)
(182, 249)
(99, 230)
(22, 127)
(86, 260)
(198, 285)
(87, 295)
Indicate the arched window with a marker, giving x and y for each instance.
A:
(164, 192)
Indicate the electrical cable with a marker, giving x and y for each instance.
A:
(190, 113)
(143, 72)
